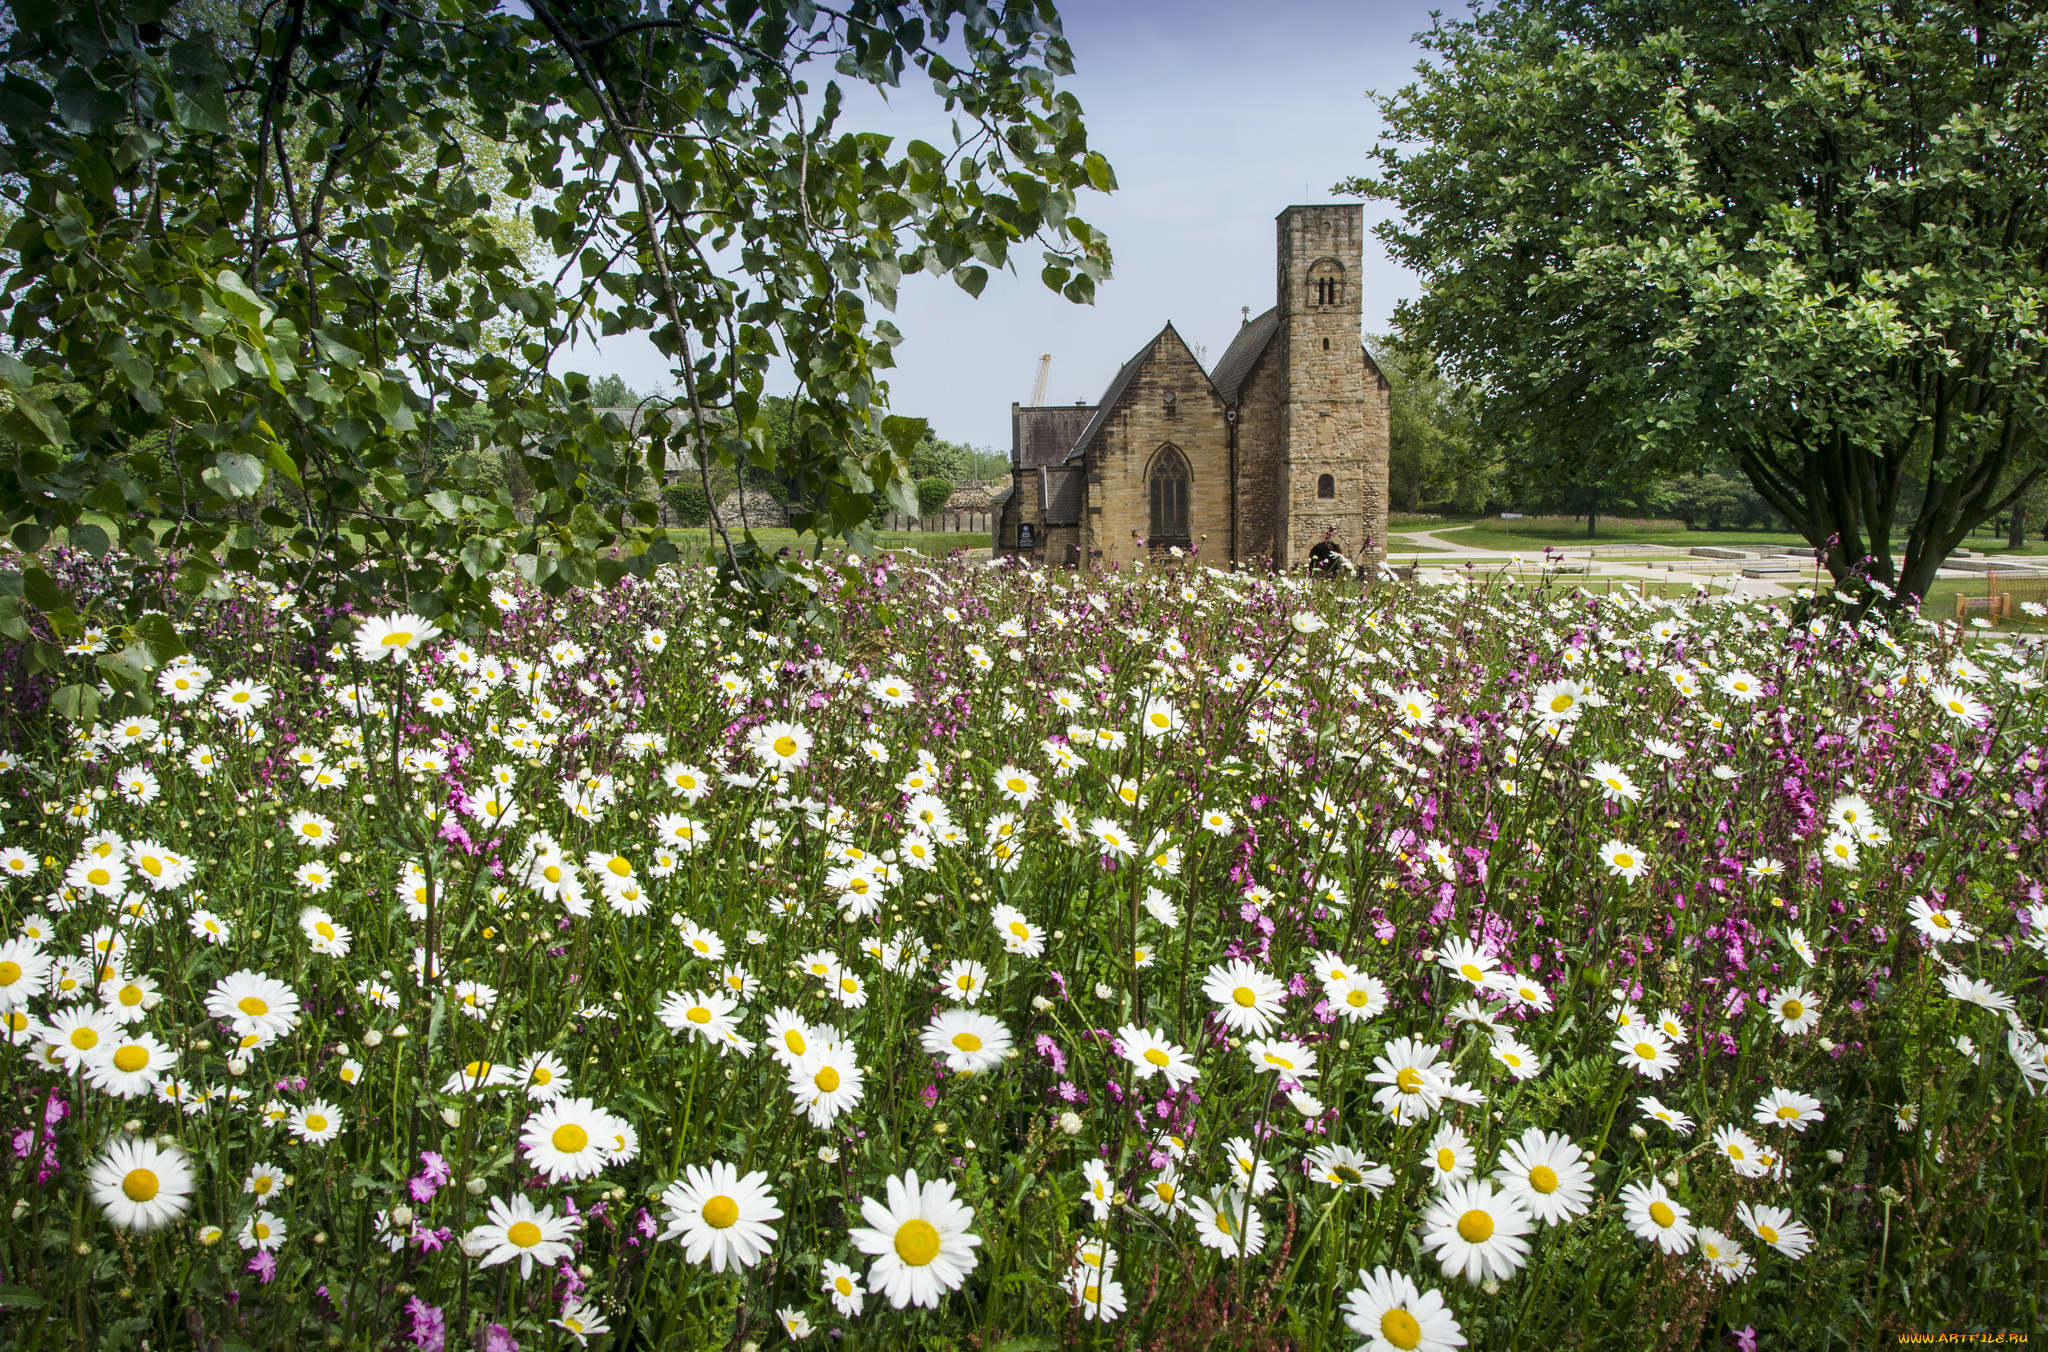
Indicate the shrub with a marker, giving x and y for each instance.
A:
(686, 502)
(932, 495)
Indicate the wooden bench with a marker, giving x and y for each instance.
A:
(1998, 607)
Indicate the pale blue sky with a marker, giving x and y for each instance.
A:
(1216, 116)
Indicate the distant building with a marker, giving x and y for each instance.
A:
(1277, 452)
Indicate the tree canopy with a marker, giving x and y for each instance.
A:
(265, 265)
(1805, 237)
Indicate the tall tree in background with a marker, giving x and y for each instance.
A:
(1435, 457)
(260, 256)
(1803, 236)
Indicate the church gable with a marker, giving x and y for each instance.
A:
(1157, 457)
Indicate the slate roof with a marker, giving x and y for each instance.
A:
(1042, 434)
(1244, 351)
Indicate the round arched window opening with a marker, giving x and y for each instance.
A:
(1326, 486)
(1326, 345)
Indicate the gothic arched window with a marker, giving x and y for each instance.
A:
(1326, 486)
(1168, 491)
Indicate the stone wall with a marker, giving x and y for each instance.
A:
(1261, 448)
(762, 511)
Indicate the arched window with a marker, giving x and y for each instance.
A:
(1326, 486)
(1168, 490)
(1326, 282)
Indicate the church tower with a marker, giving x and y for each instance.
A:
(1333, 414)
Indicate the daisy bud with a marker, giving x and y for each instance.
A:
(475, 1187)
(452, 1116)
(239, 1067)
(1834, 1157)
(373, 1038)
(401, 1216)
(1070, 1123)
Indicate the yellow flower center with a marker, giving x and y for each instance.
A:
(1560, 703)
(1624, 860)
(316, 1122)
(151, 865)
(1357, 999)
(1471, 972)
(827, 1079)
(1280, 1061)
(397, 638)
(785, 745)
(1408, 1080)
(967, 1042)
(1662, 1213)
(85, 1039)
(10, 972)
(1787, 1113)
(1793, 1009)
(325, 930)
(1767, 1234)
(1446, 1159)
(523, 1233)
(1020, 929)
(131, 1058)
(842, 1286)
(721, 1212)
(98, 877)
(1646, 1051)
(1941, 920)
(698, 1014)
(1543, 1178)
(917, 1242)
(140, 1185)
(570, 1138)
(1244, 996)
(1157, 1057)
(1475, 1227)
(1399, 1328)
(261, 1185)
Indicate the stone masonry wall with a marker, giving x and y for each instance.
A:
(1261, 445)
(1141, 425)
(1324, 418)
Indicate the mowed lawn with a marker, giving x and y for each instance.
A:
(935, 543)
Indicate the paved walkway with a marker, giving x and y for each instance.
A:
(1443, 554)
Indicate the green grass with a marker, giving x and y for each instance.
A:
(937, 543)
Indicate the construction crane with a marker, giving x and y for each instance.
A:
(1038, 387)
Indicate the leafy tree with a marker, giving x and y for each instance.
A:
(262, 259)
(1434, 456)
(1805, 237)
(932, 495)
(612, 391)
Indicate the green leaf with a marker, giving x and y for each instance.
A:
(20, 1298)
(90, 538)
(1100, 176)
(161, 636)
(233, 474)
(245, 304)
(79, 703)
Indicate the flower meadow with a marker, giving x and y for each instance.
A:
(1152, 958)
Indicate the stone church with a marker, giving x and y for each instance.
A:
(1278, 450)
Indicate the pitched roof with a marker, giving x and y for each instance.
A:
(1042, 434)
(1124, 377)
(1244, 351)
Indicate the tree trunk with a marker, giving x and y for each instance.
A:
(1590, 519)
(2018, 534)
